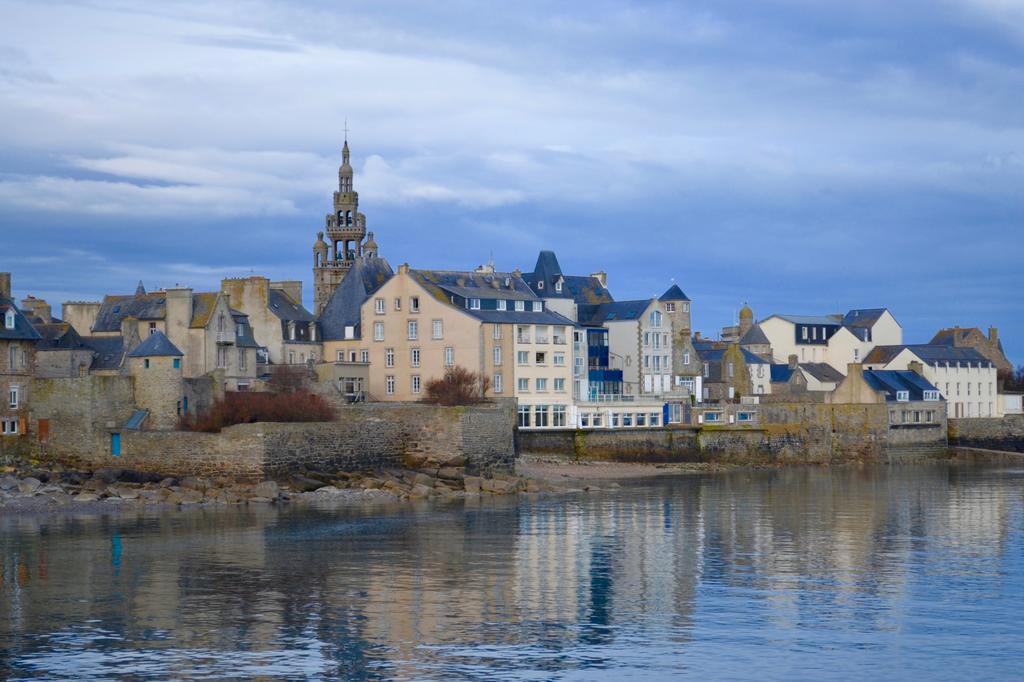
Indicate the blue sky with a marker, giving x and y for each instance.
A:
(806, 157)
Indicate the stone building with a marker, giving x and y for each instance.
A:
(18, 341)
(345, 229)
(156, 367)
(971, 337)
(730, 372)
(284, 330)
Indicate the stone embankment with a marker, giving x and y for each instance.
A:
(438, 478)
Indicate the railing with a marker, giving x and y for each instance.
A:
(225, 338)
(610, 398)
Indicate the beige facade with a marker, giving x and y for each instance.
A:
(543, 374)
(857, 334)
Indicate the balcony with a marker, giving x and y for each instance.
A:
(225, 338)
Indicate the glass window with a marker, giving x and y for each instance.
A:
(378, 331)
(389, 383)
(414, 304)
(497, 332)
(560, 359)
(559, 335)
(378, 306)
(414, 330)
(500, 304)
(415, 383)
(641, 419)
(542, 358)
(627, 419)
(398, 303)
(524, 416)
(497, 355)
(520, 306)
(524, 385)
(538, 306)
(438, 329)
(474, 304)
(364, 355)
(542, 384)
(654, 418)
(540, 415)
(559, 385)
(558, 415)
(449, 356)
(414, 357)
(584, 419)
(523, 334)
(496, 381)
(523, 357)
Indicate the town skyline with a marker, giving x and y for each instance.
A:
(717, 155)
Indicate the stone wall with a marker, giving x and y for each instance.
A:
(81, 412)
(365, 436)
(1006, 433)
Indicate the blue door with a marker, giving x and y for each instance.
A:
(115, 444)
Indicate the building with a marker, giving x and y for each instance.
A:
(730, 372)
(965, 378)
(156, 367)
(285, 332)
(971, 337)
(211, 336)
(833, 339)
(913, 401)
(562, 293)
(345, 229)
(18, 341)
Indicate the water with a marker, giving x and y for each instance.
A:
(910, 572)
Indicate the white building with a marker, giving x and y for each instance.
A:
(836, 340)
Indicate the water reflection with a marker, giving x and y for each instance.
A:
(902, 572)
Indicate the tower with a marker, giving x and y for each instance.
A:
(345, 230)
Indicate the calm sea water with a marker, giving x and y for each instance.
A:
(912, 572)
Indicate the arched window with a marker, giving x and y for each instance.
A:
(348, 217)
(341, 218)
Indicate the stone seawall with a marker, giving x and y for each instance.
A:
(367, 436)
(787, 433)
(1006, 433)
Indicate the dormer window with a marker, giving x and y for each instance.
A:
(558, 286)
(474, 304)
(9, 319)
(931, 395)
(538, 306)
(501, 304)
(520, 306)
(540, 285)
(903, 396)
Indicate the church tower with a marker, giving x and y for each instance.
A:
(345, 231)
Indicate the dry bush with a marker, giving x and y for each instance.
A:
(458, 386)
(290, 378)
(246, 408)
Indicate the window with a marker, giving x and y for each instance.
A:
(352, 355)
(542, 358)
(654, 419)
(931, 395)
(414, 304)
(538, 306)
(903, 396)
(686, 307)
(641, 419)
(341, 356)
(145, 363)
(803, 333)
(378, 331)
(559, 336)
(378, 306)
(291, 331)
(540, 414)
(712, 416)
(398, 302)
(389, 357)
(744, 416)
(929, 416)
(437, 329)
(558, 286)
(523, 357)
(497, 355)
(497, 332)
(500, 304)
(559, 359)
(524, 416)
(152, 328)
(615, 420)
(542, 384)
(350, 331)
(389, 383)
(670, 307)
(657, 341)
(558, 415)
(474, 304)
(9, 319)
(13, 397)
(707, 370)
(414, 330)
(856, 354)
(496, 383)
(732, 370)
(686, 357)
(414, 357)
(241, 360)
(627, 419)
(523, 334)
(647, 338)
(13, 361)
(523, 385)
(364, 355)
(291, 357)
(449, 356)
(559, 385)
(655, 318)
(541, 334)
(520, 306)
(584, 419)
(415, 383)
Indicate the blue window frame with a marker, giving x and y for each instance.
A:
(115, 444)
(177, 363)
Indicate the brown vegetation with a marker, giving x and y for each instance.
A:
(458, 386)
(294, 405)
(1012, 380)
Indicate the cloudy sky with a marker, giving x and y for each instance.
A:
(804, 156)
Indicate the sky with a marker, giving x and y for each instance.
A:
(802, 156)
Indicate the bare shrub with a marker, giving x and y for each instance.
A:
(458, 386)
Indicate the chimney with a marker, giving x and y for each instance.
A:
(130, 333)
(5, 284)
(993, 336)
(793, 361)
(178, 315)
(956, 336)
(292, 289)
(38, 307)
(916, 367)
(854, 369)
(601, 276)
(696, 336)
(403, 269)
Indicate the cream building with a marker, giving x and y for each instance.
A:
(837, 340)
(963, 376)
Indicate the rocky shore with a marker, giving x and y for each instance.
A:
(33, 489)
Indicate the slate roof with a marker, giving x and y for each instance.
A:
(946, 337)
(150, 306)
(834, 320)
(822, 371)
(58, 336)
(108, 351)
(443, 283)
(862, 317)
(927, 352)
(583, 289)
(23, 329)
(715, 354)
(781, 373)
(892, 381)
(616, 311)
(286, 309)
(755, 337)
(521, 317)
(156, 345)
(364, 278)
(674, 293)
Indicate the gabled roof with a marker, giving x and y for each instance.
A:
(781, 373)
(282, 305)
(834, 320)
(616, 311)
(521, 317)
(583, 289)
(156, 345)
(755, 337)
(822, 371)
(715, 354)
(442, 284)
(58, 336)
(893, 381)
(948, 336)
(929, 353)
(674, 293)
(363, 279)
(151, 306)
(23, 330)
(862, 317)
(108, 351)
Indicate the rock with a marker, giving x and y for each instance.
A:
(371, 483)
(533, 486)
(60, 499)
(454, 461)
(8, 483)
(497, 486)
(173, 497)
(268, 489)
(190, 496)
(152, 496)
(260, 500)
(328, 490)
(167, 482)
(195, 483)
(124, 493)
(304, 484)
(27, 486)
(414, 460)
(451, 474)
(107, 474)
(73, 477)
(472, 484)
(420, 491)
(86, 497)
(422, 479)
